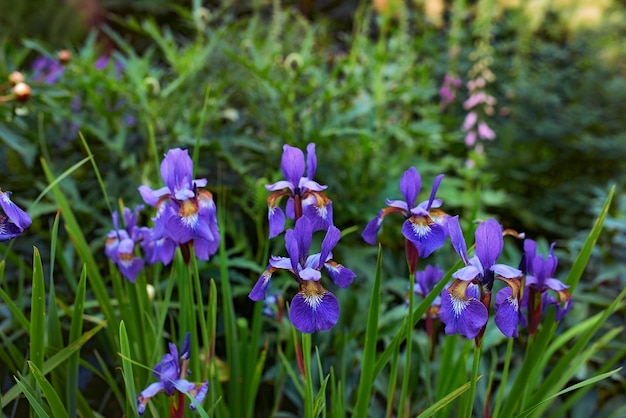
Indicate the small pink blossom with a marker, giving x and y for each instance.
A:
(485, 132)
(470, 138)
(470, 121)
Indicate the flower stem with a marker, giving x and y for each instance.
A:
(308, 378)
(477, 353)
(505, 375)
(409, 345)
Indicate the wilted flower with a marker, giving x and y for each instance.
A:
(303, 193)
(186, 214)
(424, 226)
(465, 303)
(313, 308)
(171, 372)
(121, 242)
(14, 220)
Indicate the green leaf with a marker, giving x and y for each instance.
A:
(127, 367)
(441, 403)
(366, 380)
(33, 399)
(583, 256)
(56, 406)
(76, 328)
(37, 313)
(56, 360)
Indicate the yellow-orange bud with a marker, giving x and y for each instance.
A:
(21, 91)
(64, 56)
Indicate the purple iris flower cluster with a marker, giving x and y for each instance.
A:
(185, 216)
(424, 227)
(14, 220)
(313, 308)
(121, 242)
(464, 305)
(542, 289)
(172, 372)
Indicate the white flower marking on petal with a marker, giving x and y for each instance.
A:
(459, 305)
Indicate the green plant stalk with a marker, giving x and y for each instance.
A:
(505, 376)
(76, 328)
(201, 318)
(472, 394)
(368, 374)
(232, 344)
(37, 314)
(391, 389)
(127, 367)
(308, 376)
(408, 352)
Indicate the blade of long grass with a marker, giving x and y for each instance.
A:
(57, 359)
(96, 171)
(37, 313)
(576, 386)
(15, 311)
(52, 397)
(308, 376)
(408, 351)
(127, 367)
(34, 400)
(443, 402)
(76, 329)
(368, 373)
(583, 256)
(75, 232)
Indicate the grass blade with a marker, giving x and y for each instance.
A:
(127, 368)
(369, 351)
(37, 313)
(56, 406)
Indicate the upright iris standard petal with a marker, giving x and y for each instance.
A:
(489, 242)
(410, 185)
(292, 164)
(313, 308)
(371, 229)
(457, 239)
(330, 240)
(311, 161)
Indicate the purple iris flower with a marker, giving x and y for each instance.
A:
(465, 303)
(120, 244)
(308, 193)
(425, 225)
(171, 372)
(185, 213)
(14, 221)
(313, 308)
(541, 286)
(425, 281)
(47, 70)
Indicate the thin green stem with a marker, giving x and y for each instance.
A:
(308, 376)
(472, 394)
(408, 350)
(505, 376)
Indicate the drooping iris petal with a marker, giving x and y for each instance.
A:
(13, 212)
(507, 312)
(371, 229)
(258, 291)
(489, 242)
(313, 309)
(200, 393)
(292, 165)
(425, 234)
(410, 185)
(319, 211)
(342, 276)
(276, 218)
(8, 230)
(465, 316)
